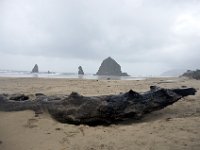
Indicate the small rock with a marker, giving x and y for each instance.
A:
(39, 94)
(168, 119)
(57, 129)
(183, 86)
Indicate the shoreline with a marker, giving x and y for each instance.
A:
(72, 76)
(91, 87)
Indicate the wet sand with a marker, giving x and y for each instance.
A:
(176, 127)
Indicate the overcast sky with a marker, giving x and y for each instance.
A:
(146, 37)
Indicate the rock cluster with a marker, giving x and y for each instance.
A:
(109, 67)
(192, 74)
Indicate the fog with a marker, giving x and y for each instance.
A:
(146, 37)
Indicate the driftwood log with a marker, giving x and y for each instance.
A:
(78, 109)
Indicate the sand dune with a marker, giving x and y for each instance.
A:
(176, 127)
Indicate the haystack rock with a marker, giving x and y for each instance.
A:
(35, 69)
(109, 67)
(80, 71)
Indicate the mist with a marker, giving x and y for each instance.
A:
(144, 37)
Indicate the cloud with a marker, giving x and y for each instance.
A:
(162, 33)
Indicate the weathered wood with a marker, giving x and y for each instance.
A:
(78, 109)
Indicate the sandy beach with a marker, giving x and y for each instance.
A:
(177, 127)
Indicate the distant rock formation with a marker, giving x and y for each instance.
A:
(80, 71)
(35, 69)
(192, 74)
(173, 73)
(109, 67)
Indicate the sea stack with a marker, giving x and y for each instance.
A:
(80, 71)
(35, 69)
(109, 67)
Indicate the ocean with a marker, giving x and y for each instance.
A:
(27, 74)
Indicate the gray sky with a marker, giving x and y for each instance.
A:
(146, 37)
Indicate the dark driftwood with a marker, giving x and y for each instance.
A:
(78, 109)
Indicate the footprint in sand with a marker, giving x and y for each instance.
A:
(68, 136)
(31, 123)
(82, 130)
(64, 140)
(100, 147)
(71, 133)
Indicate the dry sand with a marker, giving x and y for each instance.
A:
(176, 127)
